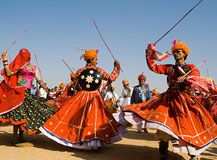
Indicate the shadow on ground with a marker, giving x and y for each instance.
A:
(117, 151)
(113, 152)
(132, 134)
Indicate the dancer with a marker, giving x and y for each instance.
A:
(83, 122)
(17, 105)
(61, 89)
(63, 94)
(177, 114)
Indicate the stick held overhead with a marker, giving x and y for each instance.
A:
(36, 59)
(104, 41)
(9, 47)
(178, 22)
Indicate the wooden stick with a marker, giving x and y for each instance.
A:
(67, 65)
(38, 66)
(178, 22)
(104, 42)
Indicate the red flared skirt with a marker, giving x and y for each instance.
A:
(180, 113)
(82, 119)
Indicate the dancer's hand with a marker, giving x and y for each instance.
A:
(73, 75)
(116, 64)
(151, 48)
(181, 79)
(4, 56)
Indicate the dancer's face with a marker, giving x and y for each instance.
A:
(179, 55)
(94, 61)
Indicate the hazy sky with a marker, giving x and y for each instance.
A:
(56, 28)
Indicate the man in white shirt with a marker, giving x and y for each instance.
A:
(126, 94)
(42, 92)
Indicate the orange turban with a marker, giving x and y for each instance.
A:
(90, 54)
(154, 91)
(125, 82)
(179, 45)
(62, 85)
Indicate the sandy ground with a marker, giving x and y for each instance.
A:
(134, 146)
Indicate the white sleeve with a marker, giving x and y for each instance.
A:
(116, 96)
(106, 96)
(131, 91)
(123, 93)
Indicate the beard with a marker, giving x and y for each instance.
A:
(177, 58)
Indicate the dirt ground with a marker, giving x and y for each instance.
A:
(134, 146)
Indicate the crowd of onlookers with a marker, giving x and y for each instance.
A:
(129, 95)
(49, 94)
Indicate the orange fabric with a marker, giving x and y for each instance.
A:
(185, 116)
(61, 99)
(84, 117)
(29, 132)
(11, 98)
(125, 82)
(154, 91)
(208, 91)
(11, 95)
(177, 109)
(61, 85)
(73, 75)
(65, 91)
(90, 54)
(19, 62)
(180, 45)
(105, 76)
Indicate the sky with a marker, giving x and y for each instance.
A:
(57, 28)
